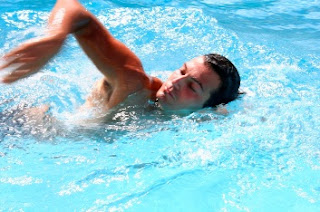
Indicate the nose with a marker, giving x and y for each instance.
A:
(179, 81)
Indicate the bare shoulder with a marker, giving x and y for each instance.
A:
(106, 96)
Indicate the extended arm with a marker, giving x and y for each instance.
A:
(121, 67)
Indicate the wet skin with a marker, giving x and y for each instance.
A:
(189, 87)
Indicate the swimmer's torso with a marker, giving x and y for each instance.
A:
(97, 108)
(102, 92)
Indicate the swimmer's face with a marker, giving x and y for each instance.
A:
(189, 87)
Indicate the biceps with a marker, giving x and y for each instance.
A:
(109, 55)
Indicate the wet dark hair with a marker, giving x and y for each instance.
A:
(230, 80)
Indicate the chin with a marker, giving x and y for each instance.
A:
(164, 104)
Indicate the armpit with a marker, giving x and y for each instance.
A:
(100, 95)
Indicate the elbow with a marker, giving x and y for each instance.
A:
(80, 24)
(69, 18)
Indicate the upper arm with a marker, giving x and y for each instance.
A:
(121, 67)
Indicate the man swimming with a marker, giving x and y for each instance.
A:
(204, 81)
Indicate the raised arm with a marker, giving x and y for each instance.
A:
(109, 55)
(122, 69)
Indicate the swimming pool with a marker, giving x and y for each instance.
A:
(263, 156)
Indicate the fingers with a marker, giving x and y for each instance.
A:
(8, 62)
(17, 60)
(16, 75)
(22, 54)
(15, 52)
(11, 58)
(27, 59)
(22, 71)
(12, 54)
(18, 66)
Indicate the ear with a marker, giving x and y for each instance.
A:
(221, 109)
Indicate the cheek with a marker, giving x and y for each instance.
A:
(188, 94)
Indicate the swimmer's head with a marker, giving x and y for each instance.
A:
(230, 80)
(204, 81)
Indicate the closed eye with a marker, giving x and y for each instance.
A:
(192, 86)
(197, 83)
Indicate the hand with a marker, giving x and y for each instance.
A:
(30, 57)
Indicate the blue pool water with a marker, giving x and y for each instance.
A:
(263, 156)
